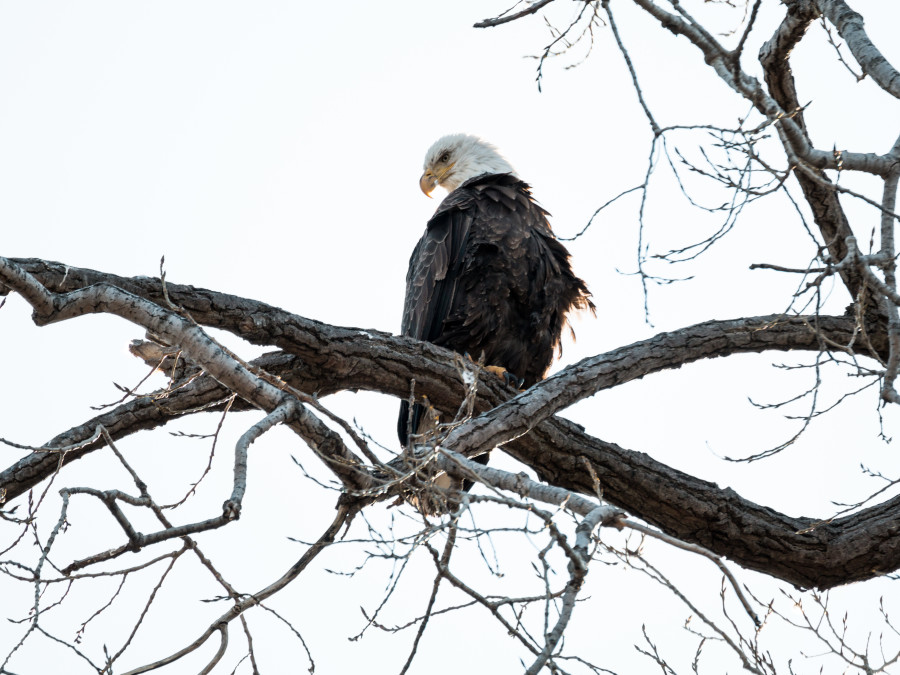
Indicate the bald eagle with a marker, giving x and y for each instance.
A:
(487, 278)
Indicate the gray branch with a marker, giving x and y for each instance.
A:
(850, 27)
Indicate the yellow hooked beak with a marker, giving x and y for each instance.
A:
(427, 183)
(429, 179)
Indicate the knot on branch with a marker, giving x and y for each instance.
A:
(159, 355)
(231, 510)
(615, 519)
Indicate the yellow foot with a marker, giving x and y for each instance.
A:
(506, 376)
(499, 371)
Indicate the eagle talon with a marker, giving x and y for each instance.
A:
(509, 378)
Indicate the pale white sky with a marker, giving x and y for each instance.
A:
(272, 150)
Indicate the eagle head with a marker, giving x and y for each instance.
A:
(456, 158)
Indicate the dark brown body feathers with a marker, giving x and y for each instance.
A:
(488, 277)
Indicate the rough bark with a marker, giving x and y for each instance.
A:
(323, 359)
(820, 195)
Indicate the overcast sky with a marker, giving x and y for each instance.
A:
(272, 150)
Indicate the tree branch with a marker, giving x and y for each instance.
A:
(328, 359)
(103, 297)
(850, 27)
(719, 60)
(531, 9)
(823, 202)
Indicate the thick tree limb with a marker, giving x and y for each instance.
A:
(103, 297)
(327, 359)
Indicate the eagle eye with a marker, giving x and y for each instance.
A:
(444, 158)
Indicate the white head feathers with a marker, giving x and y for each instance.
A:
(456, 158)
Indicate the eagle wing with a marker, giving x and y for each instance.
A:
(432, 281)
(434, 270)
